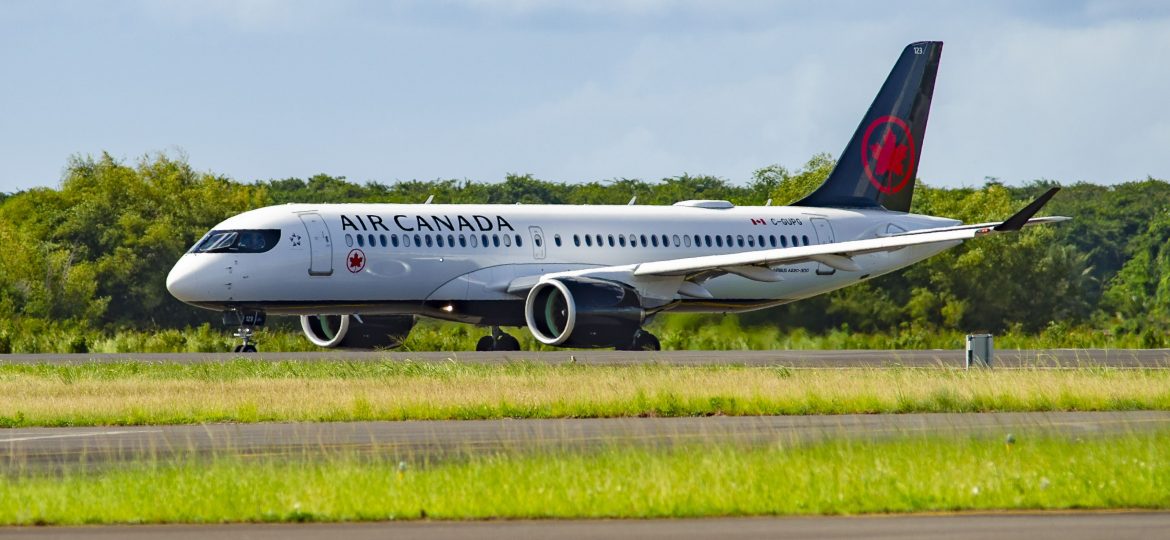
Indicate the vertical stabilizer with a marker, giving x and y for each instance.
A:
(880, 163)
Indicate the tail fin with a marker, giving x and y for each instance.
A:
(879, 165)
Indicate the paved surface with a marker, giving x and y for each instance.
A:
(411, 440)
(838, 358)
(1039, 526)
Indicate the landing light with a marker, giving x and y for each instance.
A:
(448, 308)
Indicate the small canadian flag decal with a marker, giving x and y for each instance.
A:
(758, 221)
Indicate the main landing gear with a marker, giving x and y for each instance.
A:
(246, 323)
(498, 341)
(642, 341)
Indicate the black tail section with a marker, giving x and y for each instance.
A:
(879, 165)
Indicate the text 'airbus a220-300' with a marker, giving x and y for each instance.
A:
(358, 275)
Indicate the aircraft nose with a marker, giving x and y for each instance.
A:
(185, 283)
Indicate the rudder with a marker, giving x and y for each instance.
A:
(878, 166)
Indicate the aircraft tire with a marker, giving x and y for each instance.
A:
(507, 343)
(485, 344)
(645, 341)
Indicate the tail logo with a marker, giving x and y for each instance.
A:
(887, 152)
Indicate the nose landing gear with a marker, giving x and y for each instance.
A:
(498, 341)
(246, 323)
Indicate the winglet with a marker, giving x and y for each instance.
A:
(1017, 221)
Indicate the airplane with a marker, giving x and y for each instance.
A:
(585, 276)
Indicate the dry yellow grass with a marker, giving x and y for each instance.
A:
(177, 394)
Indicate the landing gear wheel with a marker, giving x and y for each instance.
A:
(498, 341)
(643, 341)
(485, 343)
(507, 343)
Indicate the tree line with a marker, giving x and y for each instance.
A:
(95, 251)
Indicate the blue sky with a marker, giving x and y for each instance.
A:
(575, 91)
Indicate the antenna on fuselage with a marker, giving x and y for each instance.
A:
(769, 203)
(632, 200)
(429, 199)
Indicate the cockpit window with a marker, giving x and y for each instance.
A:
(246, 241)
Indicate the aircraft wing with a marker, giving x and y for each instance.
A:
(758, 265)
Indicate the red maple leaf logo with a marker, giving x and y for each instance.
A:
(356, 260)
(891, 155)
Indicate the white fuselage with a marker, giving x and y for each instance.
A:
(456, 261)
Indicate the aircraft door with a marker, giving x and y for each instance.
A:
(320, 245)
(538, 241)
(824, 233)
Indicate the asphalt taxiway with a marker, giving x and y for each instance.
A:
(1023, 526)
(409, 440)
(1006, 358)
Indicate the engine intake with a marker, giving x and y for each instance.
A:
(583, 312)
(381, 332)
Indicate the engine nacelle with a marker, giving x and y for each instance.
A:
(381, 332)
(583, 312)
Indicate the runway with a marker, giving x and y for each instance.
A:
(1006, 358)
(413, 440)
(1023, 526)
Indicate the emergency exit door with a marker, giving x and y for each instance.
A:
(824, 233)
(320, 245)
(538, 241)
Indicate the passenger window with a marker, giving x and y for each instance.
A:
(382, 239)
(644, 243)
(739, 240)
(417, 241)
(772, 240)
(621, 240)
(463, 241)
(405, 241)
(576, 241)
(708, 239)
(485, 241)
(610, 239)
(687, 240)
(474, 241)
(536, 240)
(729, 241)
(372, 244)
(751, 241)
(495, 240)
(589, 240)
(599, 240)
(557, 240)
(451, 240)
(761, 238)
(719, 241)
(665, 240)
(394, 240)
(348, 240)
(519, 242)
(784, 241)
(805, 238)
(361, 241)
(794, 242)
(633, 241)
(677, 240)
(439, 239)
(654, 240)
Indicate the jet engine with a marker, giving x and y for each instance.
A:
(583, 312)
(345, 331)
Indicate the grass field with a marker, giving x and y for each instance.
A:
(834, 477)
(127, 393)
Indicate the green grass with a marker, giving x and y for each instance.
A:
(134, 393)
(676, 331)
(836, 477)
